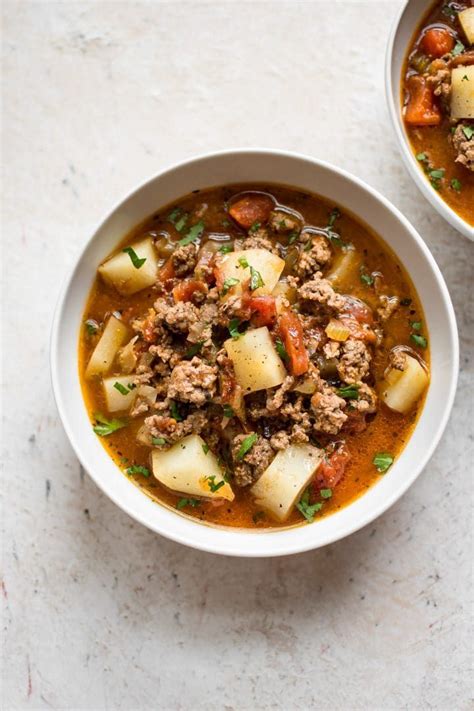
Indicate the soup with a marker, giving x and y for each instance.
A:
(438, 95)
(253, 356)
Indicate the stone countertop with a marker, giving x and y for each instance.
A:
(100, 613)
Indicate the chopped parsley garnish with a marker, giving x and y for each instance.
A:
(136, 261)
(333, 216)
(448, 11)
(158, 441)
(175, 414)
(193, 350)
(105, 427)
(419, 340)
(138, 469)
(292, 237)
(281, 350)
(228, 284)
(187, 502)
(243, 262)
(325, 493)
(205, 448)
(174, 215)
(91, 326)
(308, 510)
(458, 49)
(121, 388)
(234, 328)
(456, 185)
(465, 78)
(226, 248)
(308, 245)
(256, 280)
(246, 445)
(422, 157)
(253, 228)
(193, 234)
(228, 411)
(366, 278)
(382, 461)
(349, 392)
(416, 325)
(468, 132)
(436, 176)
(181, 223)
(211, 480)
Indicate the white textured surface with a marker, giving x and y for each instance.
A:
(100, 613)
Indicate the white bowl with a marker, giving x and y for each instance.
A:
(399, 41)
(307, 174)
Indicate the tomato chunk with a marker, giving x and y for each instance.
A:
(291, 332)
(260, 309)
(358, 309)
(437, 41)
(332, 469)
(421, 109)
(251, 208)
(167, 270)
(186, 289)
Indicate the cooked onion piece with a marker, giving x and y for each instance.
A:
(127, 272)
(462, 92)
(401, 389)
(188, 469)
(256, 363)
(281, 484)
(119, 392)
(233, 272)
(105, 351)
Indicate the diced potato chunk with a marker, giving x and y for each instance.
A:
(466, 18)
(104, 353)
(120, 272)
(256, 363)
(462, 92)
(118, 393)
(280, 486)
(345, 266)
(127, 358)
(268, 265)
(402, 388)
(186, 468)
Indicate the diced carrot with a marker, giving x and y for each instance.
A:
(437, 41)
(331, 471)
(421, 109)
(167, 270)
(185, 290)
(291, 332)
(251, 209)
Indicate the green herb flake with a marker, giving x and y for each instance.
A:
(138, 469)
(175, 414)
(226, 248)
(228, 411)
(181, 223)
(187, 502)
(465, 78)
(422, 157)
(349, 392)
(456, 185)
(416, 325)
(211, 480)
(292, 237)
(243, 262)
(419, 340)
(121, 388)
(281, 350)
(174, 215)
(158, 441)
(193, 234)
(333, 216)
(91, 326)
(205, 448)
(365, 278)
(256, 280)
(308, 510)
(246, 446)
(228, 284)
(468, 132)
(458, 49)
(225, 222)
(234, 328)
(193, 350)
(448, 11)
(325, 493)
(253, 228)
(105, 427)
(382, 461)
(136, 261)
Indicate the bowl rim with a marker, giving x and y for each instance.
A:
(404, 148)
(303, 544)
